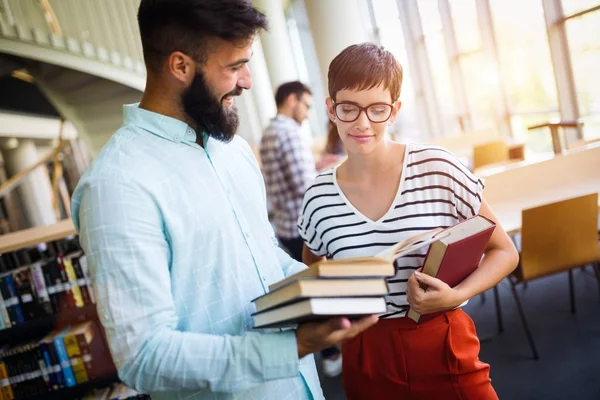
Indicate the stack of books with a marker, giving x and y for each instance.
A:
(327, 289)
(356, 287)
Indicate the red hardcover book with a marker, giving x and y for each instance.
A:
(456, 255)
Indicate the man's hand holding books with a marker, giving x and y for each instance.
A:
(312, 337)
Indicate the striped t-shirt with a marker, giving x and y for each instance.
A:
(435, 190)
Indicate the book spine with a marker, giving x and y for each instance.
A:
(82, 282)
(84, 341)
(39, 358)
(86, 275)
(63, 358)
(50, 365)
(5, 387)
(12, 369)
(75, 357)
(67, 300)
(4, 304)
(52, 285)
(23, 288)
(4, 319)
(72, 278)
(13, 307)
(39, 283)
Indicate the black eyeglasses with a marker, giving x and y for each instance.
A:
(376, 112)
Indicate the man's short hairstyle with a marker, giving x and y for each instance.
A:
(287, 89)
(188, 25)
(365, 66)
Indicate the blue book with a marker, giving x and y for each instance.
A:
(63, 358)
(11, 300)
(51, 361)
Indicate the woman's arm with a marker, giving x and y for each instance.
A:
(308, 257)
(501, 258)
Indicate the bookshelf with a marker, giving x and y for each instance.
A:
(33, 236)
(30, 330)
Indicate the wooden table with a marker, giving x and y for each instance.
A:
(520, 186)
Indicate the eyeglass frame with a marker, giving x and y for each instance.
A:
(363, 109)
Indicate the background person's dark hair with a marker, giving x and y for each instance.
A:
(284, 91)
(186, 25)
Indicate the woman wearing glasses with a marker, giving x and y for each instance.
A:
(383, 193)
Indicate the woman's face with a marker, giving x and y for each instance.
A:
(365, 133)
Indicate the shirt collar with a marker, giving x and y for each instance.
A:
(161, 125)
(286, 120)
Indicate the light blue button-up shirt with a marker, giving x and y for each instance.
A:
(178, 244)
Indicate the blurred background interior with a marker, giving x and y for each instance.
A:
(510, 86)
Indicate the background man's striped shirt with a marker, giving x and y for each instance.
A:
(435, 190)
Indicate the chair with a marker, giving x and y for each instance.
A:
(556, 237)
(489, 153)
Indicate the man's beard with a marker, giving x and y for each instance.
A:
(207, 111)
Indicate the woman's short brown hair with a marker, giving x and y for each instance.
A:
(365, 66)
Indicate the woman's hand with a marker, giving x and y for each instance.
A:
(427, 294)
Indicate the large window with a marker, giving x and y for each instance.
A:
(583, 34)
(440, 66)
(390, 34)
(308, 66)
(524, 57)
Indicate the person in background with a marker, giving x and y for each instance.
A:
(383, 193)
(287, 163)
(172, 217)
(288, 168)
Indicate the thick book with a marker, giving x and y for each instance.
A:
(319, 308)
(456, 255)
(316, 287)
(377, 266)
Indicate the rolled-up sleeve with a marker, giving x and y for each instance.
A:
(123, 234)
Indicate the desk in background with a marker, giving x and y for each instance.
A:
(515, 187)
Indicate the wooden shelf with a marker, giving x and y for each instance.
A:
(33, 236)
(31, 329)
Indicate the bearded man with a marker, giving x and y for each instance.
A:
(172, 217)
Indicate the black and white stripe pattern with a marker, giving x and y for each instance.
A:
(436, 190)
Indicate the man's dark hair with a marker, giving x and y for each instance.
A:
(187, 25)
(287, 89)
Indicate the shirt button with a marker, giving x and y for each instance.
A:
(264, 278)
(189, 131)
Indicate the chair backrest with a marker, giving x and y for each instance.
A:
(489, 153)
(559, 236)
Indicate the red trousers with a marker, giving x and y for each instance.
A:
(398, 359)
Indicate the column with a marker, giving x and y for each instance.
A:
(249, 127)
(563, 71)
(490, 47)
(35, 190)
(422, 79)
(262, 90)
(458, 83)
(335, 25)
(276, 43)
